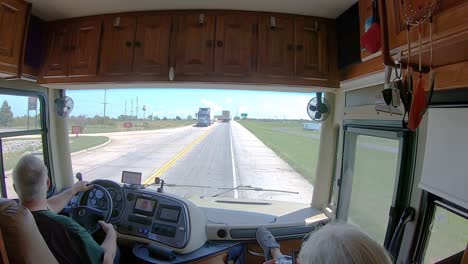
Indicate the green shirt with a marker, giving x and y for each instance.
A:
(68, 240)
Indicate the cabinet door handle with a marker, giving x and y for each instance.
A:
(137, 44)
(219, 43)
(209, 43)
(299, 47)
(290, 46)
(128, 43)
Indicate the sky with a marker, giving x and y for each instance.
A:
(181, 102)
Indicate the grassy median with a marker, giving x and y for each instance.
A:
(118, 126)
(298, 147)
(18, 147)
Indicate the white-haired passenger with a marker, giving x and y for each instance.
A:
(332, 244)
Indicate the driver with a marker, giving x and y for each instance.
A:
(68, 240)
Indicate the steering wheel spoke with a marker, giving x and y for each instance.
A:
(88, 214)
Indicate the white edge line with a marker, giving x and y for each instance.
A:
(234, 173)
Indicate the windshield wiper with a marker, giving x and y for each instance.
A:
(158, 181)
(250, 188)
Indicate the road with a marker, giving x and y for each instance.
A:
(223, 155)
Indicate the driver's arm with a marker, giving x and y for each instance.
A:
(57, 202)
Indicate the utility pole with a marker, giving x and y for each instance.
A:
(125, 112)
(137, 108)
(131, 110)
(105, 103)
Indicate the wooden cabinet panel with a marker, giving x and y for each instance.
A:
(450, 32)
(236, 40)
(311, 48)
(56, 60)
(12, 30)
(117, 45)
(152, 46)
(276, 45)
(84, 48)
(195, 45)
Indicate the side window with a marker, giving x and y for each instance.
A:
(370, 174)
(448, 235)
(21, 132)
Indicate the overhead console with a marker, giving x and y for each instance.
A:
(192, 46)
(163, 219)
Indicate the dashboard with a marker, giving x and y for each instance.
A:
(185, 225)
(148, 216)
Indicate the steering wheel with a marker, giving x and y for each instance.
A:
(88, 210)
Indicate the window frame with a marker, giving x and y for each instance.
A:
(44, 132)
(431, 201)
(404, 179)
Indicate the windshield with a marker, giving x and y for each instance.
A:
(225, 143)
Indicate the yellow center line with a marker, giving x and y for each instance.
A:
(174, 159)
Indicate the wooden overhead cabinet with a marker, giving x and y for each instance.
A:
(152, 46)
(13, 17)
(236, 44)
(72, 49)
(117, 45)
(194, 45)
(311, 43)
(450, 33)
(276, 45)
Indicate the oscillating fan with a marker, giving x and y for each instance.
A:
(64, 106)
(318, 108)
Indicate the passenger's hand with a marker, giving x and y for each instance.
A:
(82, 186)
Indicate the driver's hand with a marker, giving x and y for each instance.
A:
(108, 228)
(82, 186)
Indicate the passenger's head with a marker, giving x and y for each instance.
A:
(30, 179)
(342, 243)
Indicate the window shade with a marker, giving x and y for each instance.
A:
(445, 167)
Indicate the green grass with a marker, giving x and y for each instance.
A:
(299, 151)
(118, 126)
(85, 142)
(76, 144)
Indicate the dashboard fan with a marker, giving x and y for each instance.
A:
(64, 106)
(318, 108)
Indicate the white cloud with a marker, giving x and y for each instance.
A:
(214, 107)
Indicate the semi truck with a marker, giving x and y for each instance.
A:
(204, 117)
(226, 116)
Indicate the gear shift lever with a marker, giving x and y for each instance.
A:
(79, 176)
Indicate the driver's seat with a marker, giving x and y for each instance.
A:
(22, 242)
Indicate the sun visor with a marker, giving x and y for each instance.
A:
(445, 167)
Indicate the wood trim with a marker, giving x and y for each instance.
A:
(220, 258)
(362, 69)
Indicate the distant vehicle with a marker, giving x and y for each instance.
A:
(226, 116)
(204, 117)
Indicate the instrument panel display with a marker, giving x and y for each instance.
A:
(169, 213)
(145, 206)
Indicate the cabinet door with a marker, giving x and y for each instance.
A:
(276, 45)
(117, 45)
(152, 46)
(56, 60)
(235, 52)
(12, 25)
(195, 45)
(311, 48)
(84, 48)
